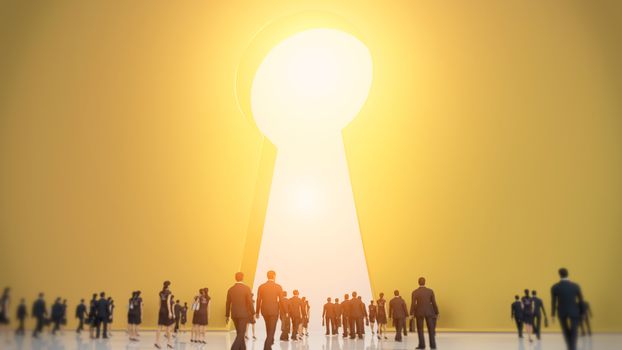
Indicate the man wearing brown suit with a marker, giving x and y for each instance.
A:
(268, 297)
(295, 313)
(345, 311)
(328, 317)
(398, 312)
(357, 313)
(424, 307)
(337, 314)
(239, 307)
(284, 315)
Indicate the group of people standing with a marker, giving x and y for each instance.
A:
(528, 312)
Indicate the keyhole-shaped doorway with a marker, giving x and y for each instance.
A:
(305, 91)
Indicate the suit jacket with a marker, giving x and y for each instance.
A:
(357, 308)
(102, 309)
(423, 303)
(80, 311)
(239, 303)
(329, 310)
(39, 309)
(21, 312)
(345, 308)
(283, 307)
(517, 310)
(397, 308)
(567, 299)
(538, 306)
(268, 296)
(337, 309)
(295, 307)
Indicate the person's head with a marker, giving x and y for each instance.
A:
(271, 275)
(381, 295)
(58, 300)
(177, 301)
(109, 299)
(303, 298)
(371, 302)
(22, 300)
(336, 300)
(563, 272)
(165, 285)
(296, 292)
(94, 295)
(206, 291)
(346, 297)
(40, 295)
(526, 292)
(81, 301)
(534, 293)
(396, 292)
(516, 297)
(185, 304)
(421, 281)
(64, 301)
(354, 295)
(239, 276)
(284, 294)
(102, 295)
(6, 291)
(328, 299)
(137, 293)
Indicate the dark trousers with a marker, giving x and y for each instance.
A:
(240, 329)
(537, 325)
(345, 323)
(56, 326)
(296, 321)
(356, 327)
(80, 324)
(20, 328)
(101, 321)
(570, 327)
(585, 322)
(39, 326)
(519, 327)
(431, 324)
(176, 324)
(270, 329)
(330, 325)
(285, 327)
(336, 325)
(400, 324)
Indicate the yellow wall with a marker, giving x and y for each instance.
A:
(488, 154)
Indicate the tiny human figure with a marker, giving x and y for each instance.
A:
(239, 307)
(39, 312)
(101, 316)
(345, 314)
(268, 297)
(585, 319)
(110, 313)
(373, 314)
(200, 316)
(252, 321)
(424, 308)
(92, 316)
(165, 315)
(528, 314)
(517, 315)
(567, 302)
(337, 316)
(80, 315)
(381, 317)
(398, 312)
(539, 311)
(177, 313)
(357, 315)
(295, 313)
(22, 313)
(284, 317)
(328, 316)
(365, 315)
(5, 302)
(57, 315)
(136, 315)
(184, 315)
(305, 316)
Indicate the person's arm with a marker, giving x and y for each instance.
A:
(580, 300)
(228, 306)
(512, 311)
(553, 303)
(434, 305)
(543, 310)
(259, 301)
(390, 310)
(413, 303)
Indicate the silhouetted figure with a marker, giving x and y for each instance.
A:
(528, 313)
(80, 315)
(5, 301)
(39, 312)
(239, 306)
(295, 313)
(398, 312)
(134, 315)
(22, 313)
(567, 302)
(177, 313)
(585, 319)
(57, 315)
(345, 312)
(92, 317)
(305, 316)
(356, 316)
(365, 316)
(423, 307)
(517, 315)
(539, 311)
(382, 316)
(284, 317)
(252, 321)
(165, 315)
(373, 313)
(102, 316)
(268, 298)
(337, 316)
(200, 316)
(184, 314)
(111, 307)
(328, 316)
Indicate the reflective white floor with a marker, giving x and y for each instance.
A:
(222, 341)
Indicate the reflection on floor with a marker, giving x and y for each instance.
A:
(222, 341)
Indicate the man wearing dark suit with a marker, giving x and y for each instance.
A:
(337, 316)
(295, 313)
(423, 307)
(284, 316)
(398, 312)
(239, 306)
(345, 311)
(517, 315)
(585, 319)
(567, 302)
(102, 315)
(268, 298)
(539, 311)
(21, 317)
(328, 317)
(80, 315)
(356, 314)
(39, 311)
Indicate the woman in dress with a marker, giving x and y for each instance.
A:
(134, 315)
(204, 314)
(165, 315)
(252, 321)
(92, 319)
(373, 313)
(110, 313)
(381, 316)
(196, 305)
(528, 314)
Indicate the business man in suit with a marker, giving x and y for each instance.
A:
(567, 302)
(517, 315)
(345, 310)
(398, 312)
(39, 311)
(539, 311)
(328, 316)
(102, 315)
(295, 313)
(423, 307)
(80, 315)
(585, 319)
(336, 316)
(356, 315)
(268, 298)
(284, 317)
(239, 307)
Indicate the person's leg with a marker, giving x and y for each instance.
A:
(344, 324)
(420, 332)
(589, 328)
(574, 324)
(270, 329)
(519, 327)
(563, 322)
(105, 329)
(431, 324)
(157, 337)
(537, 322)
(399, 324)
(352, 328)
(240, 330)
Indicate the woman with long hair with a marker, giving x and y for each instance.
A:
(165, 315)
(373, 315)
(134, 315)
(196, 304)
(381, 316)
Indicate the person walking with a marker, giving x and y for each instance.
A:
(268, 299)
(398, 312)
(567, 303)
(239, 308)
(517, 315)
